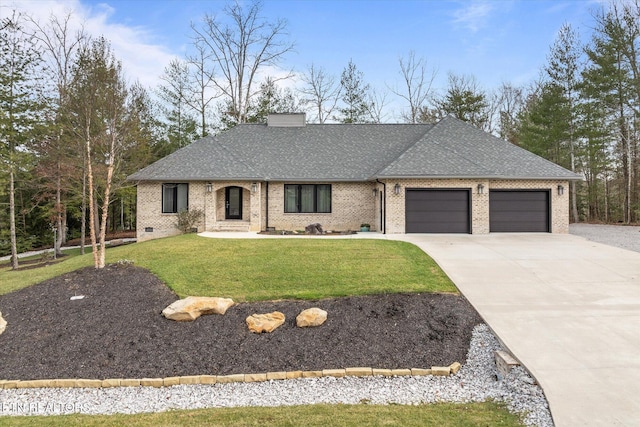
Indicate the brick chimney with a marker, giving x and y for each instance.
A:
(286, 120)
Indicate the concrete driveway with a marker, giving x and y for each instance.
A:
(567, 308)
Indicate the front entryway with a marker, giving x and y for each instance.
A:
(233, 203)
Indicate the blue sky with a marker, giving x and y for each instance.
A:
(493, 40)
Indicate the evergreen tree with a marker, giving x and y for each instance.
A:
(464, 100)
(21, 108)
(355, 95)
(181, 127)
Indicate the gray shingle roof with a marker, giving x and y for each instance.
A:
(453, 148)
(354, 152)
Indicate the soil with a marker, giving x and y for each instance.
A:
(117, 331)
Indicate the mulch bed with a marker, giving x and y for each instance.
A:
(117, 331)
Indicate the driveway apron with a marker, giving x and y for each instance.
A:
(566, 307)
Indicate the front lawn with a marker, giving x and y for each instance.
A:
(266, 269)
(271, 269)
(441, 415)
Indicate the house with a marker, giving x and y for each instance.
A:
(448, 177)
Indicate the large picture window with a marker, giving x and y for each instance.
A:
(175, 198)
(307, 198)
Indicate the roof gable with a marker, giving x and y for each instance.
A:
(454, 148)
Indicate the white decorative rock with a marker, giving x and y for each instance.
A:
(311, 317)
(190, 308)
(3, 324)
(267, 322)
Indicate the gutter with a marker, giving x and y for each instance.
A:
(487, 177)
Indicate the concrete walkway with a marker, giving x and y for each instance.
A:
(566, 307)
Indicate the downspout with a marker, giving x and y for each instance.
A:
(266, 227)
(384, 207)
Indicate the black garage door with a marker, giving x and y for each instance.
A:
(518, 211)
(437, 211)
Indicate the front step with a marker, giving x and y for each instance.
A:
(240, 226)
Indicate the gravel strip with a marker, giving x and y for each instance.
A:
(475, 382)
(621, 236)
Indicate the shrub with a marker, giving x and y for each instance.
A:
(187, 219)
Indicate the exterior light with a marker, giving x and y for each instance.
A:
(560, 190)
(254, 187)
(396, 188)
(209, 187)
(375, 192)
(480, 189)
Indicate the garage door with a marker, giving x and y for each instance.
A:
(518, 211)
(437, 211)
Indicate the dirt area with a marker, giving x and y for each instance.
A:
(117, 331)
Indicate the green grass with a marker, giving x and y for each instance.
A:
(441, 415)
(269, 269)
(266, 269)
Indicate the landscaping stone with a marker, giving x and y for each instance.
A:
(280, 375)
(190, 308)
(267, 322)
(233, 378)
(311, 317)
(358, 372)
(3, 323)
(314, 229)
(440, 370)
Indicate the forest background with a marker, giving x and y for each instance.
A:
(73, 126)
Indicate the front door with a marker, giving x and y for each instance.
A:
(233, 203)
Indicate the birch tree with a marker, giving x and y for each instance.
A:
(104, 111)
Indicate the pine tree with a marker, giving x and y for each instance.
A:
(355, 95)
(21, 106)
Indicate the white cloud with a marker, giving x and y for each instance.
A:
(473, 16)
(142, 59)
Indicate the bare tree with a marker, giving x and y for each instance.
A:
(321, 91)
(240, 49)
(376, 104)
(418, 82)
(199, 87)
(59, 44)
(510, 100)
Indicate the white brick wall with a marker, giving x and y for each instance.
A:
(352, 204)
(479, 202)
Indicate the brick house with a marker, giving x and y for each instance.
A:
(448, 177)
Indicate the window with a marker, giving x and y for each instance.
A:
(175, 198)
(307, 198)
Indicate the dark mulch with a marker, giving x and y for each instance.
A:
(117, 331)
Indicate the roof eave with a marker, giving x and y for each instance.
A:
(520, 178)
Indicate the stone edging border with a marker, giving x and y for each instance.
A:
(223, 379)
